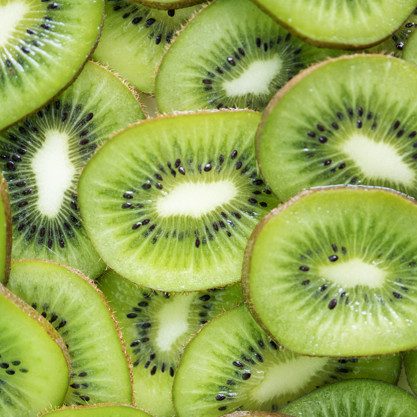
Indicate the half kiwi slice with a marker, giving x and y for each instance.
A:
(43, 156)
(233, 365)
(5, 232)
(135, 37)
(79, 312)
(341, 24)
(34, 378)
(333, 272)
(157, 326)
(101, 410)
(360, 398)
(43, 45)
(169, 4)
(170, 203)
(241, 63)
(336, 123)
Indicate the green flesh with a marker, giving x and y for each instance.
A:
(340, 23)
(169, 4)
(42, 50)
(171, 202)
(410, 50)
(78, 311)
(157, 326)
(355, 398)
(98, 411)
(135, 37)
(334, 272)
(241, 63)
(46, 221)
(339, 124)
(232, 364)
(30, 379)
(5, 232)
(410, 366)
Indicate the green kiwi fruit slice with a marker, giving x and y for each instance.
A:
(336, 123)
(80, 313)
(333, 272)
(43, 45)
(410, 49)
(5, 232)
(360, 398)
(100, 410)
(241, 63)
(233, 365)
(410, 367)
(169, 4)
(42, 158)
(34, 365)
(341, 24)
(170, 202)
(156, 327)
(135, 37)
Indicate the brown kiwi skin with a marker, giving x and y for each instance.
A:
(255, 414)
(93, 406)
(179, 4)
(276, 211)
(4, 195)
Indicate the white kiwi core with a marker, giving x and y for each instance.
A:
(10, 15)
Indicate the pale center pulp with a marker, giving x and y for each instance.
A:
(10, 15)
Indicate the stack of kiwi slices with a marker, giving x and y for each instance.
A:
(208, 208)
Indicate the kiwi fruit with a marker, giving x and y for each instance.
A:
(410, 367)
(169, 4)
(232, 364)
(157, 326)
(361, 398)
(170, 202)
(241, 63)
(342, 24)
(254, 414)
(135, 37)
(42, 158)
(5, 232)
(100, 370)
(43, 45)
(410, 49)
(101, 410)
(337, 123)
(34, 368)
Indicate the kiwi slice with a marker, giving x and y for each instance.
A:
(79, 312)
(43, 45)
(34, 378)
(410, 367)
(43, 156)
(241, 63)
(156, 327)
(171, 202)
(135, 37)
(360, 398)
(342, 24)
(101, 410)
(5, 232)
(410, 49)
(233, 365)
(169, 4)
(336, 123)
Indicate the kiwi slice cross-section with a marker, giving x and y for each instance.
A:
(343, 23)
(135, 37)
(100, 370)
(233, 365)
(43, 156)
(361, 398)
(157, 326)
(43, 45)
(333, 272)
(101, 410)
(337, 123)
(170, 203)
(241, 63)
(5, 232)
(34, 365)
(410, 368)
(169, 4)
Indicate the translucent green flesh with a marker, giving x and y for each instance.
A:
(232, 364)
(147, 166)
(5, 238)
(410, 50)
(86, 114)
(170, 4)
(410, 365)
(78, 312)
(98, 411)
(44, 51)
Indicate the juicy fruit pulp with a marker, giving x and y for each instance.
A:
(5, 232)
(170, 203)
(98, 411)
(42, 47)
(340, 258)
(338, 123)
(169, 4)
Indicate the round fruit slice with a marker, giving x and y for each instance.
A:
(241, 63)
(42, 160)
(157, 326)
(102, 410)
(33, 360)
(135, 37)
(5, 232)
(169, 4)
(170, 203)
(43, 45)
(336, 123)
(333, 272)
(343, 23)
(79, 312)
(355, 398)
(233, 365)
